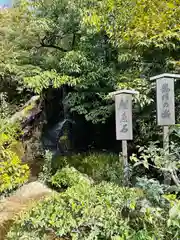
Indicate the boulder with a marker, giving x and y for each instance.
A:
(21, 200)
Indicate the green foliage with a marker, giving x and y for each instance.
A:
(94, 47)
(12, 172)
(71, 43)
(152, 188)
(146, 36)
(43, 59)
(43, 80)
(99, 166)
(103, 211)
(138, 23)
(29, 236)
(174, 214)
(46, 173)
(160, 159)
(82, 212)
(68, 177)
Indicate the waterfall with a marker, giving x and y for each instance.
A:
(52, 135)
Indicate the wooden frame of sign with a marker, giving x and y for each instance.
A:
(124, 131)
(165, 107)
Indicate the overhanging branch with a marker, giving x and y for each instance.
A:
(53, 46)
(43, 44)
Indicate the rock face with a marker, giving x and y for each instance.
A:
(21, 200)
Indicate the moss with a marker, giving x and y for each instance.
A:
(99, 166)
(18, 148)
(28, 108)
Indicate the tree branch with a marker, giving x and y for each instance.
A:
(53, 46)
(73, 41)
(43, 44)
(175, 178)
(172, 172)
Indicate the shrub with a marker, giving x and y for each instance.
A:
(104, 211)
(68, 177)
(99, 166)
(12, 172)
(46, 173)
(153, 189)
(161, 160)
(82, 212)
(29, 236)
(174, 215)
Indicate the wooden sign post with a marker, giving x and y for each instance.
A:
(124, 132)
(165, 107)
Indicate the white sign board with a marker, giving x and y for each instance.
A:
(165, 101)
(123, 106)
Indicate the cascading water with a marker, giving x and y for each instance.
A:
(52, 135)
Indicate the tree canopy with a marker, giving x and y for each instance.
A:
(93, 47)
(71, 54)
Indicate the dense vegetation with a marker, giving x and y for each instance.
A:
(100, 211)
(71, 54)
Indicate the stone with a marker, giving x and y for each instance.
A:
(20, 201)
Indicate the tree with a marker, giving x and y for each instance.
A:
(67, 43)
(43, 59)
(147, 36)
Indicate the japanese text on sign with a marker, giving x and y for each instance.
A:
(123, 116)
(165, 101)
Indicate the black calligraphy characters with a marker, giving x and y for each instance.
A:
(124, 118)
(165, 98)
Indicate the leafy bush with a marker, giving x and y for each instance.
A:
(45, 174)
(82, 212)
(99, 166)
(103, 211)
(163, 161)
(68, 177)
(12, 172)
(152, 189)
(174, 215)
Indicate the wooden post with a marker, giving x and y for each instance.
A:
(124, 132)
(167, 176)
(125, 162)
(123, 104)
(165, 109)
(166, 138)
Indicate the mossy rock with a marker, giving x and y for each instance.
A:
(18, 149)
(22, 200)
